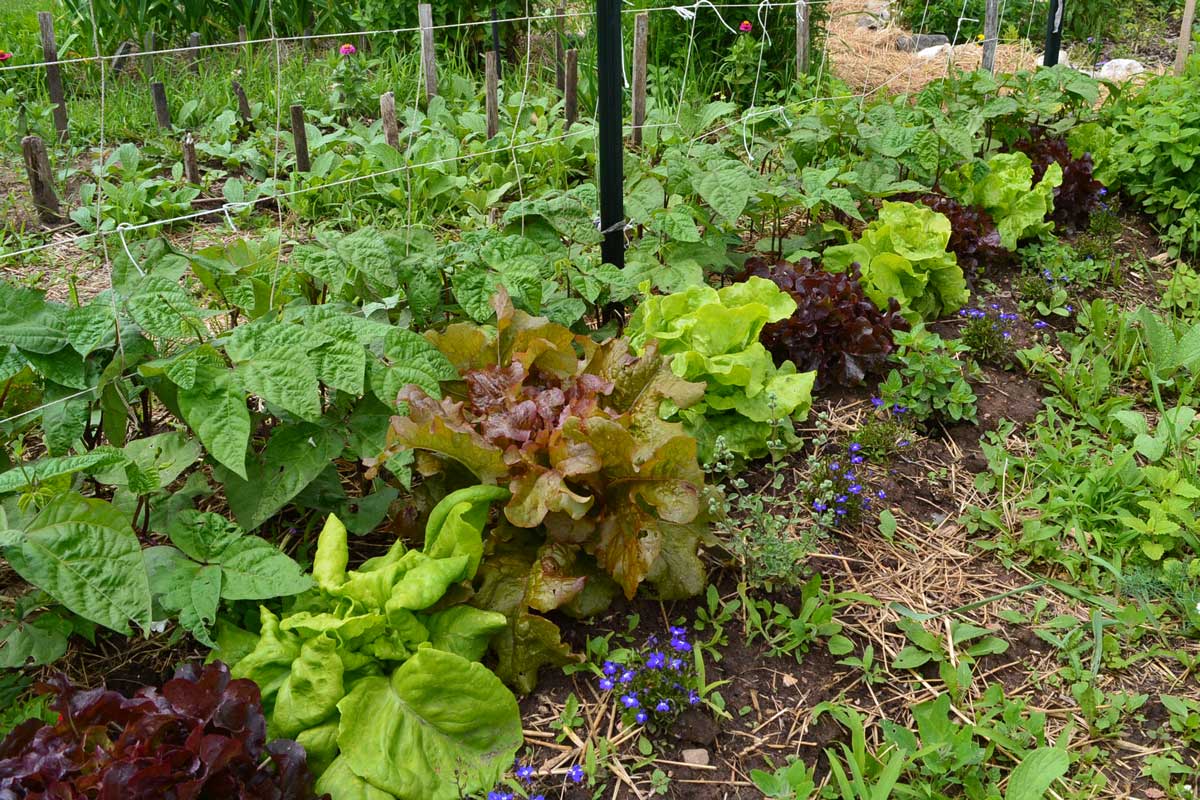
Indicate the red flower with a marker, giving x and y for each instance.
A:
(5, 55)
(745, 27)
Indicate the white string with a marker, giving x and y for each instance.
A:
(275, 151)
(512, 138)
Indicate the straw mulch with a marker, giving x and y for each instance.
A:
(869, 61)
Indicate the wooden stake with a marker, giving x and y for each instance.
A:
(148, 60)
(492, 91)
(803, 38)
(300, 137)
(641, 36)
(387, 112)
(244, 37)
(191, 167)
(194, 43)
(123, 57)
(1185, 36)
(54, 82)
(571, 91)
(991, 32)
(243, 103)
(162, 112)
(41, 179)
(428, 57)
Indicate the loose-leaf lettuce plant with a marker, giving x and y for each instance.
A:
(375, 670)
(712, 335)
(1007, 191)
(605, 494)
(902, 255)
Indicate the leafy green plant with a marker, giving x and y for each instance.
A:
(1004, 186)
(213, 560)
(377, 678)
(902, 255)
(601, 486)
(712, 335)
(931, 381)
(1148, 146)
(788, 632)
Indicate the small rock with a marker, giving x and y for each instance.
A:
(876, 16)
(1062, 58)
(697, 757)
(930, 53)
(920, 41)
(1120, 69)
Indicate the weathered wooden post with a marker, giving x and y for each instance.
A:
(428, 56)
(300, 137)
(641, 36)
(41, 179)
(54, 84)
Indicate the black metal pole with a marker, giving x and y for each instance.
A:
(496, 41)
(610, 111)
(1054, 25)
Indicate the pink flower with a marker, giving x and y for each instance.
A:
(745, 27)
(347, 49)
(5, 55)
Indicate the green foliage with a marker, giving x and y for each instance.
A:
(903, 255)
(1004, 187)
(34, 632)
(84, 554)
(374, 675)
(1149, 147)
(601, 486)
(963, 22)
(214, 560)
(931, 381)
(712, 335)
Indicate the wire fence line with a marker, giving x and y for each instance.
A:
(751, 115)
(308, 37)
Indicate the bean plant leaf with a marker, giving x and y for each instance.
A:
(283, 377)
(83, 553)
(292, 459)
(215, 408)
(28, 321)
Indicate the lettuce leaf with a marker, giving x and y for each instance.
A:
(712, 336)
(902, 256)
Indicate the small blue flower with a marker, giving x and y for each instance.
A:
(677, 664)
(606, 684)
(575, 774)
(899, 409)
(855, 447)
(499, 796)
(662, 706)
(881, 494)
(1041, 323)
(610, 668)
(693, 698)
(656, 660)
(835, 466)
(641, 717)
(841, 498)
(680, 645)
(630, 700)
(1102, 191)
(856, 459)
(538, 797)
(855, 488)
(877, 402)
(841, 512)
(525, 772)
(903, 443)
(818, 506)
(627, 676)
